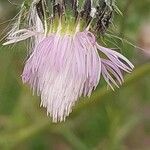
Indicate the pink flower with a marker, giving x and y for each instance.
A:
(65, 66)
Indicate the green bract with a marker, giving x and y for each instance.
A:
(70, 16)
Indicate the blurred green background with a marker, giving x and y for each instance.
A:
(109, 120)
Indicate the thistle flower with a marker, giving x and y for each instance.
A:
(66, 61)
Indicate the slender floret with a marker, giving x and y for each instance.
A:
(66, 61)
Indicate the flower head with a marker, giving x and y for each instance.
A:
(66, 61)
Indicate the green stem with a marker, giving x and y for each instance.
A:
(72, 139)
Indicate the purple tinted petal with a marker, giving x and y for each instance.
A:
(115, 54)
(62, 68)
(108, 76)
(114, 67)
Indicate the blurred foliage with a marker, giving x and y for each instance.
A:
(108, 120)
